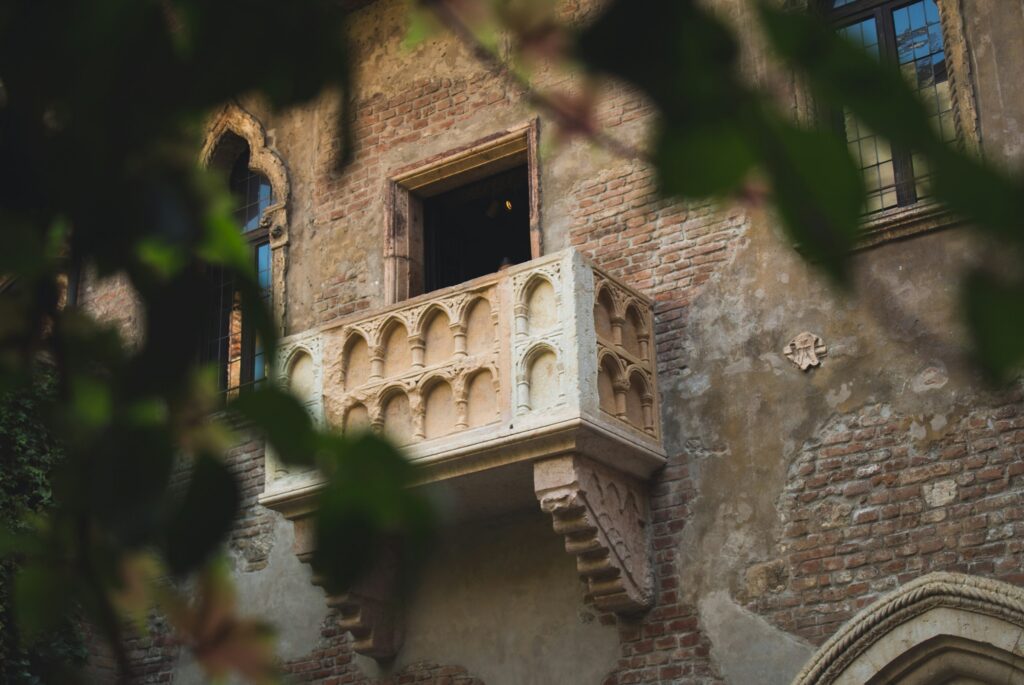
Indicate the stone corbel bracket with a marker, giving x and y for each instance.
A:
(370, 610)
(603, 516)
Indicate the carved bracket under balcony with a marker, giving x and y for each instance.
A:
(370, 610)
(603, 516)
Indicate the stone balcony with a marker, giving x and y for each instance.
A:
(536, 383)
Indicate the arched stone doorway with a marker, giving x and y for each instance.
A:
(940, 629)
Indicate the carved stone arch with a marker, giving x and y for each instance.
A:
(632, 370)
(419, 325)
(294, 356)
(424, 385)
(262, 158)
(536, 316)
(401, 419)
(232, 119)
(614, 297)
(607, 320)
(536, 350)
(393, 357)
(354, 419)
(932, 630)
(603, 353)
(352, 370)
(528, 387)
(465, 306)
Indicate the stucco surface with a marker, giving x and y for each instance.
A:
(503, 600)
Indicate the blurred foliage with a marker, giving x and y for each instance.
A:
(29, 454)
(102, 105)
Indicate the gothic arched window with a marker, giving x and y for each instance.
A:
(229, 343)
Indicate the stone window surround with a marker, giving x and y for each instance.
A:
(403, 240)
(263, 158)
(926, 215)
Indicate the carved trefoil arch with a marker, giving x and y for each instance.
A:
(940, 628)
(264, 159)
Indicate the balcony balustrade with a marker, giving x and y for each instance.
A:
(537, 382)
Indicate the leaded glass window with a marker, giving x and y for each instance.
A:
(909, 35)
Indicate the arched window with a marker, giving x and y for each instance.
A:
(229, 343)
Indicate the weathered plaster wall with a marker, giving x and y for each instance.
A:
(502, 599)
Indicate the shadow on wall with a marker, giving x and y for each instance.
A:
(502, 599)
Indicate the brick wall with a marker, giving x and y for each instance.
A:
(113, 301)
(353, 200)
(665, 645)
(330, 663)
(667, 250)
(883, 498)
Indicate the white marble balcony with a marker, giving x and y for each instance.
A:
(532, 386)
(546, 358)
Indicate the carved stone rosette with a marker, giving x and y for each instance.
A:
(603, 516)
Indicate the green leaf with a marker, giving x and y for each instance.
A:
(818, 191)
(222, 242)
(702, 161)
(204, 516)
(284, 420)
(92, 402)
(421, 25)
(995, 315)
(164, 259)
(41, 600)
(992, 199)
(367, 503)
(843, 74)
(15, 543)
(681, 55)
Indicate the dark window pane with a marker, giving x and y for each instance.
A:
(475, 229)
(253, 193)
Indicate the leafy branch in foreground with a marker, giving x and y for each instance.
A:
(100, 121)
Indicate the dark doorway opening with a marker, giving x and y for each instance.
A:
(475, 229)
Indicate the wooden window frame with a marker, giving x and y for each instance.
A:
(409, 186)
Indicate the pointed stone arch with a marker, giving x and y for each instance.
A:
(932, 630)
(231, 119)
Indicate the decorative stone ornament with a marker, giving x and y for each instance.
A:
(805, 350)
(603, 516)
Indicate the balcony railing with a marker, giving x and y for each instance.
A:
(545, 358)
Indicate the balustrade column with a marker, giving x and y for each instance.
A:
(377, 362)
(418, 347)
